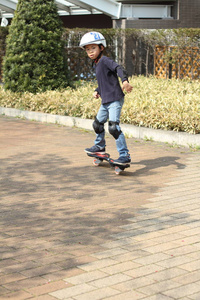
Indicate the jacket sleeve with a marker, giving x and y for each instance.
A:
(121, 72)
(97, 90)
(115, 67)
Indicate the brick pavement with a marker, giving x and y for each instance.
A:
(69, 230)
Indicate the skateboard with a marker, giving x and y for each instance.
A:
(98, 158)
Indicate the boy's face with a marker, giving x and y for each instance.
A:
(93, 51)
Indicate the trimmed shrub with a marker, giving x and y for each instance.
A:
(3, 33)
(35, 59)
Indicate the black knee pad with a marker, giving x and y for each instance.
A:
(112, 127)
(98, 127)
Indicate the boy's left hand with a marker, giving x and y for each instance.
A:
(126, 86)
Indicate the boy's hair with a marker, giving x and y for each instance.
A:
(100, 46)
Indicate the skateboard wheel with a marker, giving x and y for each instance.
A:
(96, 162)
(117, 170)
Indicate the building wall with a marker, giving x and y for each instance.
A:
(189, 13)
(147, 24)
(186, 13)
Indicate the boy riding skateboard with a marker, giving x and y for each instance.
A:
(112, 96)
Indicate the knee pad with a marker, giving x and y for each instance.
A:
(112, 127)
(98, 126)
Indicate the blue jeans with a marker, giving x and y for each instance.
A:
(112, 112)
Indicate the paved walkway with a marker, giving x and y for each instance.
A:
(69, 230)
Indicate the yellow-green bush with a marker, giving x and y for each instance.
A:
(155, 103)
(165, 104)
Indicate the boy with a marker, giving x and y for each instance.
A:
(111, 93)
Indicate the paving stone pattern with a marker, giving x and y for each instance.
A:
(69, 230)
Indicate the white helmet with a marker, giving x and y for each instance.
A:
(92, 38)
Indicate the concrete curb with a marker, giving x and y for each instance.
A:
(171, 137)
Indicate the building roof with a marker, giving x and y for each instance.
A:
(71, 7)
(113, 8)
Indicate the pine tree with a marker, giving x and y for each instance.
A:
(35, 60)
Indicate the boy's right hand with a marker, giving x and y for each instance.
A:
(96, 95)
(126, 86)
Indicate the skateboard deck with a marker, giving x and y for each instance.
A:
(98, 158)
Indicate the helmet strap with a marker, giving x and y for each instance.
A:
(99, 56)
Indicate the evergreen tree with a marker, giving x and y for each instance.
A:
(35, 60)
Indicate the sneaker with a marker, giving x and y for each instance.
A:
(122, 160)
(95, 150)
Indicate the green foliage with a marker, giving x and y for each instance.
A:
(181, 37)
(3, 34)
(153, 103)
(80, 65)
(34, 59)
